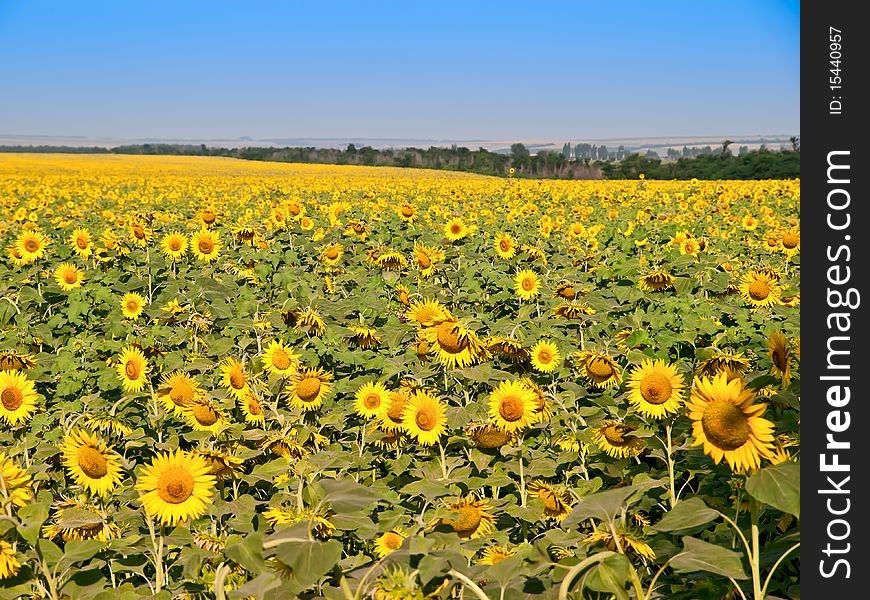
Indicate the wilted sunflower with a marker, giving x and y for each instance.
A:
(284, 444)
(388, 542)
(308, 388)
(656, 388)
(723, 362)
(630, 542)
(509, 348)
(568, 291)
(573, 311)
(424, 418)
(535, 253)
(455, 229)
(556, 501)
(545, 356)
(132, 369)
(760, 289)
(90, 463)
(513, 406)
(10, 360)
(728, 424)
(205, 245)
(527, 284)
(505, 246)
(234, 378)
(318, 519)
(308, 321)
(203, 415)
(473, 517)
(656, 281)
(92, 527)
(108, 425)
(177, 486)
(390, 260)
(364, 337)
(780, 356)
(174, 245)
(567, 442)
(371, 400)
(223, 465)
(383, 439)
(426, 258)
(454, 345)
(17, 397)
(31, 246)
(614, 438)
(407, 212)
(492, 555)
(488, 435)
(279, 359)
(132, 305)
(598, 368)
(68, 276)
(426, 312)
(9, 565)
(15, 487)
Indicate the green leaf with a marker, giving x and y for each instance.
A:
(346, 495)
(604, 506)
(32, 517)
(85, 585)
(75, 517)
(309, 561)
(246, 551)
(778, 486)
(76, 551)
(686, 515)
(610, 575)
(698, 555)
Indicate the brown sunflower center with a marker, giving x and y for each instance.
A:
(545, 356)
(206, 246)
(656, 388)
(308, 389)
(455, 229)
(504, 245)
(511, 408)
(70, 276)
(205, 415)
(550, 499)
(599, 367)
(372, 401)
(281, 359)
(12, 398)
(359, 228)
(425, 418)
(424, 261)
(491, 437)
(790, 241)
(238, 379)
(759, 290)
(82, 242)
(31, 245)
(294, 209)
(175, 485)
(469, 520)
(615, 435)
(528, 284)
(92, 462)
(132, 305)
(332, 253)
(407, 211)
(448, 338)
(208, 217)
(132, 369)
(139, 232)
(254, 407)
(725, 425)
(396, 408)
(175, 244)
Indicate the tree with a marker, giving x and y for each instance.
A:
(795, 143)
(519, 152)
(725, 145)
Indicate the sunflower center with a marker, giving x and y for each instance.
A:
(281, 359)
(139, 232)
(491, 437)
(656, 388)
(308, 389)
(92, 462)
(544, 357)
(182, 392)
(425, 418)
(599, 367)
(468, 521)
(205, 415)
(393, 540)
(550, 499)
(254, 407)
(528, 284)
(455, 229)
(332, 253)
(82, 243)
(175, 244)
(175, 485)
(568, 292)
(206, 246)
(70, 276)
(12, 398)
(31, 245)
(132, 370)
(725, 425)
(424, 261)
(359, 228)
(372, 401)
(780, 358)
(237, 379)
(407, 211)
(448, 338)
(615, 435)
(511, 408)
(759, 290)
(294, 209)
(790, 241)
(504, 245)
(208, 217)
(132, 306)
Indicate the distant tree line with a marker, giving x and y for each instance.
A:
(754, 164)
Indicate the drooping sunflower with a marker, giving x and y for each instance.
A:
(505, 246)
(177, 391)
(656, 281)
(488, 436)
(223, 465)
(598, 368)
(140, 233)
(317, 519)
(388, 542)
(426, 257)
(174, 245)
(573, 311)
(203, 415)
(132, 369)
(760, 289)
(279, 359)
(455, 229)
(568, 291)
(9, 564)
(206, 245)
(10, 360)
(513, 406)
(656, 388)
(629, 541)
(14, 483)
(383, 439)
(364, 336)
(132, 305)
(234, 378)
(93, 528)
(371, 400)
(90, 462)
(723, 362)
(616, 440)
(251, 408)
(780, 355)
(108, 425)
(308, 388)
(424, 418)
(307, 320)
(31, 246)
(17, 397)
(473, 517)
(509, 348)
(177, 486)
(454, 344)
(527, 284)
(68, 276)
(543, 408)
(556, 501)
(545, 356)
(728, 424)
(426, 312)
(492, 555)
(407, 212)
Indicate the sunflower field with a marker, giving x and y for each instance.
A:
(224, 379)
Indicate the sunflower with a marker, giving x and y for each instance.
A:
(598, 368)
(527, 284)
(308, 388)
(488, 436)
(614, 438)
(505, 246)
(455, 229)
(371, 400)
(332, 254)
(10, 360)
(174, 245)
(94, 526)
(778, 351)
(556, 501)
(177, 486)
(15, 256)
(426, 312)
(567, 442)
(543, 408)
(513, 406)
(656, 281)
(760, 289)
(132, 305)
(140, 234)
(509, 348)
(545, 356)
(90, 463)
(723, 362)
(454, 344)
(222, 465)
(424, 418)
(407, 212)
(203, 415)
(656, 388)
(473, 518)
(234, 378)
(132, 369)
(492, 555)
(392, 419)
(308, 321)
(108, 425)
(630, 542)
(390, 260)
(279, 359)
(535, 253)
(573, 311)
(728, 424)
(31, 246)
(15, 487)
(68, 276)
(206, 541)
(208, 217)
(177, 391)
(426, 258)
(690, 246)
(205, 244)
(251, 408)
(17, 397)
(388, 542)
(9, 565)
(404, 294)
(285, 445)
(317, 519)
(790, 242)
(364, 337)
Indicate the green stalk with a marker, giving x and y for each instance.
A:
(755, 557)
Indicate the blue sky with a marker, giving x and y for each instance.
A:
(434, 70)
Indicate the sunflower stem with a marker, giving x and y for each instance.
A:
(443, 461)
(670, 452)
(755, 557)
(523, 491)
